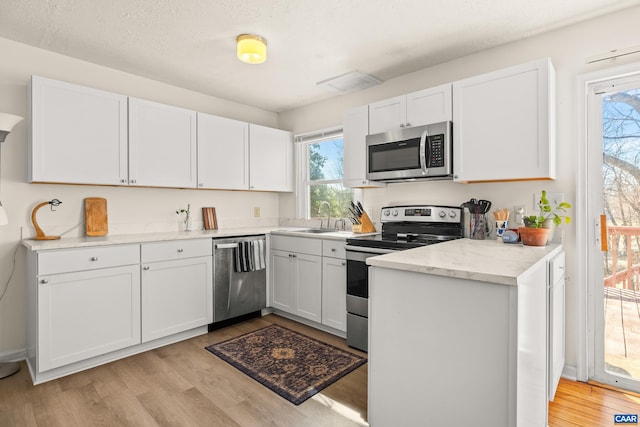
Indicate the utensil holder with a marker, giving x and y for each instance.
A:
(365, 226)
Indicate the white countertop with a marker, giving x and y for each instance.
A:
(483, 260)
(120, 239)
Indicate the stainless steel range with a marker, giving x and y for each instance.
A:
(403, 227)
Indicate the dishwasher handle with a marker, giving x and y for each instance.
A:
(226, 245)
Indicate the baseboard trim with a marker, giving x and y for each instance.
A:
(13, 355)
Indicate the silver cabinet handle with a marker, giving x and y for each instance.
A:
(408, 124)
(123, 180)
(44, 281)
(146, 267)
(343, 263)
(180, 250)
(333, 249)
(133, 181)
(201, 185)
(93, 258)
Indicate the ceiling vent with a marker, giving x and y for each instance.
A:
(349, 82)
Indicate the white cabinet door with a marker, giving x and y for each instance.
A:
(308, 286)
(387, 114)
(271, 159)
(334, 293)
(355, 127)
(428, 106)
(86, 314)
(281, 280)
(296, 278)
(162, 145)
(423, 107)
(223, 153)
(504, 126)
(176, 296)
(78, 135)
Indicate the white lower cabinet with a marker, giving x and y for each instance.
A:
(177, 293)
(82, 303)
(296, 276)
(92, 305)
(86, 314)
(308, 279)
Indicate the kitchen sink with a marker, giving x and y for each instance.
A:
(316, 230)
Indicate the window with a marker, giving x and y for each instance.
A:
(320, 172)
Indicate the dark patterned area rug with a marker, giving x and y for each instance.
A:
(293, 365)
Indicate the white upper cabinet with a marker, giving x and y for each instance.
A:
(223, 153)
(355, 126)
(78, 134)
(270, 159)
(162, 145)
(423, 107)
(504, 124)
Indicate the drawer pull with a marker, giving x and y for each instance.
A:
(180, 250)
(94, 258)
(146, 267)
(343, 263)
(44, 281)
(333, 249)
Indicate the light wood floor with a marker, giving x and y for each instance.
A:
(184, 385)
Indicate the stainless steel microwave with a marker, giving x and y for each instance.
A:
(412, 153)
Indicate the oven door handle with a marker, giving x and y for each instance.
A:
(364, 250)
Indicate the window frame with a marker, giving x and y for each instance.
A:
(303, 183)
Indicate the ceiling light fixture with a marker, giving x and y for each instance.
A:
(252, 49)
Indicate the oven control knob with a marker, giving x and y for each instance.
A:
(452, 214)
(387, 212)
(442, 214)
(395, 212)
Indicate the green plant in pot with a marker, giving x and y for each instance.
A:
(539, 228)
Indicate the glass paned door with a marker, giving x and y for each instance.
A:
(615, 124)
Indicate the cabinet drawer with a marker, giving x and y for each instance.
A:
(333, 248)
(556, 269)
(92, 258)
(178, 249)
(301, 245)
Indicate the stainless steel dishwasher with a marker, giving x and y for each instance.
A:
(239, 276)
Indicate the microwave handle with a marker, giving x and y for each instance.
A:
(424, 138)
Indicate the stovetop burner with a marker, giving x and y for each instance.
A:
(406, 227)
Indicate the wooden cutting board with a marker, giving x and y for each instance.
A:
(96, 221)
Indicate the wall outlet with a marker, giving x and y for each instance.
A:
(554, 199)
(256, 212)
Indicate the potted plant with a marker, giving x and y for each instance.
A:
(538, 228)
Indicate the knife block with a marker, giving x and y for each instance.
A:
(365, 226)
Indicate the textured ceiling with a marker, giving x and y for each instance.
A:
(191, 43)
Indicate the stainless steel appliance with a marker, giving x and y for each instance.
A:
(403, 227)
(413, 153)
(239, 277)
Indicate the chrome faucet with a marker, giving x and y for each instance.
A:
(342, 222)
(322, 203)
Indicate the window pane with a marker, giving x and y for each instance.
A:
(325, 160)
(337, 196)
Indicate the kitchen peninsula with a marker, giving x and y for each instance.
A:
(460, 332)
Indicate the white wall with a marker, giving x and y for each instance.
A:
(568, 49)
(130, 210)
